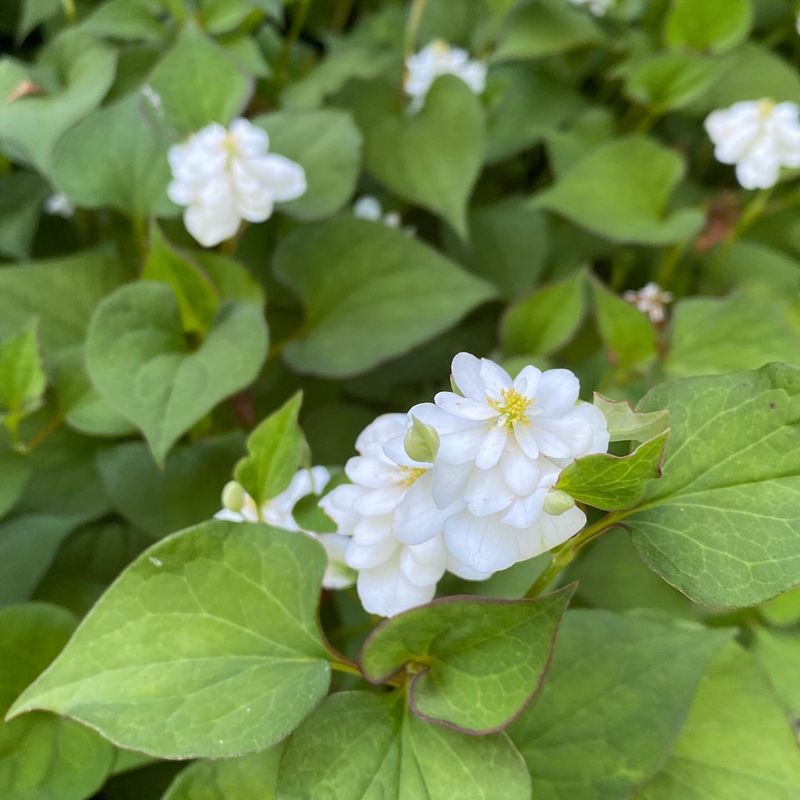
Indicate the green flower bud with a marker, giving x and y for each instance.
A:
(557, 502)
(233, 496)
(421, 441)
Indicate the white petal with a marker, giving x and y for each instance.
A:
(525, 437)
(385, 591)
(557, 392)
(417, 519)
(466, 371)
(563, 438)
(495, 379)
(449, 482)
(210, 226)
(381, 430)
(491, 447)
(462, 446)
(520, 473)
(360, 556)
(371, 472)
(527, 382)
(482, 544)
(464, 406)
(550, 531)
(337, 574)
(424, 564)
(525, 511)
(380, 501)
(372, 530)
(285, 179)
(465, 572)
(486, 493)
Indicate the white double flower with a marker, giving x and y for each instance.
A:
(279, 512)
(436, 59)
(226, 175)
(481, 504)
(759, 137)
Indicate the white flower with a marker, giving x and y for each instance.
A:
(439, 58)
(279, 512)
(393, 576)
(597, 7)
(537, 411)
(652, 300)
(59, 205)
(369, 207)
(223, 176)
(759, 137)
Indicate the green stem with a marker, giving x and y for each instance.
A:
(69, 9)
(298, 20)
(415, 15)
(565, 555)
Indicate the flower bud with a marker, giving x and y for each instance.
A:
(421, 441)
(557, 502)
(233, 496)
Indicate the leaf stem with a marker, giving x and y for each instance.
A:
(415, 14)
(565, 555)
(298, 20)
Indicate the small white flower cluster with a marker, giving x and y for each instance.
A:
(759, 137)
(226, 175)
(279, 511)
(597, 7)
(436, 59)
(59, 205)
(651, 300)
(463, 484)
(369, 207)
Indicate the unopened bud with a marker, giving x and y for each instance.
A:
(557, 502)
(421, 441)
(233, 496)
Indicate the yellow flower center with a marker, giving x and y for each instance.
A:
(512, 407)
(766, 107)
(410, 474)
(229, 143)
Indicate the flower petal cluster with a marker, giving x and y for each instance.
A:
(597, 7)
(279, 512)
(651, 300)
(225, 175)
(436, 59)
(481, 503)
(759, 137)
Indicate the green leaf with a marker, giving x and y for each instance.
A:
(614, 483)
(508, 245)
(30, 126)
(778, 652)
(546, 320)
(83, 408)
(244, 778)
(370, 292)
(746, 330)
(783, 609)
(128, 20)
(134, 180)
(621, 190)
(721, 523)
(359, 744)
(625, 424)
(28, 543)
(475, 662)
(22, 378)
(734, 267)
(197, 297)
(43, 757)
(15, 469)
(142, 365)
(184, 492)
(219, 653)
(431, 158)
(736, 743)
(274, 449)
(21, 198)
(670, 81)
(327, 144)
(33, 13)
(756, 72)
(618, 692)
(625, 331)
(527, 101)
(198, 83)
(39, 288)
(716, 25)
(544, 28)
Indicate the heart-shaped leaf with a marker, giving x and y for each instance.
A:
(219, 654)
(431, 157)
(141, 363)
(476, 661)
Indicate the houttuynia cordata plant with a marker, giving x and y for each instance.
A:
(399, 399)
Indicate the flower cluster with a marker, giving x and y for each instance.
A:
(465, 483)
(759, 137)
(279, 511)
(226, 175)
(436, 59)
(651, 300)
(597, 7)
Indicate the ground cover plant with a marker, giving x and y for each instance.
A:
(400, 399)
